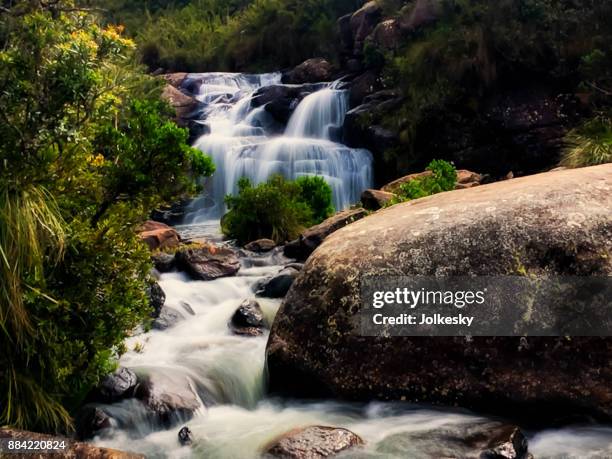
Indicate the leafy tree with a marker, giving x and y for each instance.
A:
(87, 150)
(277, 209)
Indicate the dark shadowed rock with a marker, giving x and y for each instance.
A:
(185, 436)
(362, 86)
(557, 222)
(387, 34)
(170, 397)
(423, 13)
(163, 261)
(207, 262)
(375, 199)
(157, 298)
(116, 386)
(313, 442)
(310, 71)
(362, 24)
(172, 214)
(248, 319)
(260, 245)
(278, 285)
(90, 421)
(310, 239)
(168, 317)
(74, 450)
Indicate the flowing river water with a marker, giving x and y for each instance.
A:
(236, 417)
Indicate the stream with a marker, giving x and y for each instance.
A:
(236, 417)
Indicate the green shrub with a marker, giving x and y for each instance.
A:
(278, 209)
(590, 144)
(317, 194)
(443, 178)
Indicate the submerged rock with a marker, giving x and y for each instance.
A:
(73, 449)
(313, 442)
(187, 307)
(168, 317)
(90, 421)
(115, 386)
(557, 223)
(310, 239)
(484, 440)
(171, 398)
(278, 285)
(248, 319)
(207, 262)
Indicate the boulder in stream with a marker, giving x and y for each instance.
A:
(557, 223)
(278, 285)
(163, 261)
(207, 262)
(248, 319)
(157, 298)
(313, 442)
(115, 386)
(168, 317)
(260, 245)
(185, 436)
(90, 421)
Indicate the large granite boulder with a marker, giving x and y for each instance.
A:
(558, 222)
(310, 71)
(362, 23)
(313, 442)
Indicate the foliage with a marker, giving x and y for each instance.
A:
(443, 178)
(86, 150)
(200, 35)
(589, 144)
(277, 209)
(317, 194)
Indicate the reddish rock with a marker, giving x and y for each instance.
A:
(310, 71)
(313, 442)
(175, 79)
(158, 235)
(207, 262)
(183, 104)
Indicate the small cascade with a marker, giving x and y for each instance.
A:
(242, 141)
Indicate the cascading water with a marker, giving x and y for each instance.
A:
(242, 142)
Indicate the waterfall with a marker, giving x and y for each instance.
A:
(244, 142)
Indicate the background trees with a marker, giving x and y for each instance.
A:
(87, 150)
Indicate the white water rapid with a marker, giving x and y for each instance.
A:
(246, 141)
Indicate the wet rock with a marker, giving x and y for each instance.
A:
(170, 397)
(172, 214)
(375, 199)
(248, 319)
(175, 79)
(163, 261)
(362, 86)
(73, 449)
(310, 239)
(187, 307)
(115, 386)
(484, 440)
(312, 70)
(185, 436)
(197, 129)
(157, 298)
(278, 285)
(313, 442)
(207, 262)
(158, 235)
(185, 106)
(90, 421)
(261, 245)
(297, 266)
(557, 222)
(168, 317)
